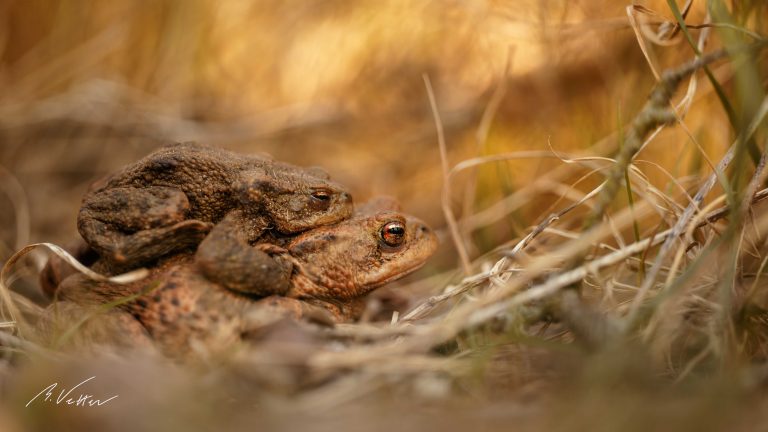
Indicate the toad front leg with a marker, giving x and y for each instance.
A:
(225, 257)
(130, 227)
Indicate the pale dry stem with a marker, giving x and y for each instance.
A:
(6, 297)
(450, 218)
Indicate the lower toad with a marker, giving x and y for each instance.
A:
(334, 267)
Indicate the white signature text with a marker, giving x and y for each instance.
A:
(67, 397)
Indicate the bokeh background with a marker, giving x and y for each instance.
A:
(87, 86)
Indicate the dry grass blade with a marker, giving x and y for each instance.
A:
(682, 222)
(450, 218)
(461, 317)
(481, 136)
(5, 293)
(15, 193)
(636, 27)
(493, 305)
(562, 280)
(654, 114)
(475, 280)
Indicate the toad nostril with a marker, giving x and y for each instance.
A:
(423, 229)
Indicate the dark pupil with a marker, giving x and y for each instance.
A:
(322, 196)
(393, 234)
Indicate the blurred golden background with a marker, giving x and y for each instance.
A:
(89, 86)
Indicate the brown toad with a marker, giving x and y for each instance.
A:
(168, 202)
(334, 268)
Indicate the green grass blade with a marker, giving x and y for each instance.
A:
(754, 152)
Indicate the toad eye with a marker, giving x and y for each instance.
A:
(393, 234)
(321, 195)
(321, 200)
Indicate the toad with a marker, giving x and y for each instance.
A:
(334, 268)
(170, 200)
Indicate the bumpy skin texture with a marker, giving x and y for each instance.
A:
(226, 258)
(334, 268)
(170, 200)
